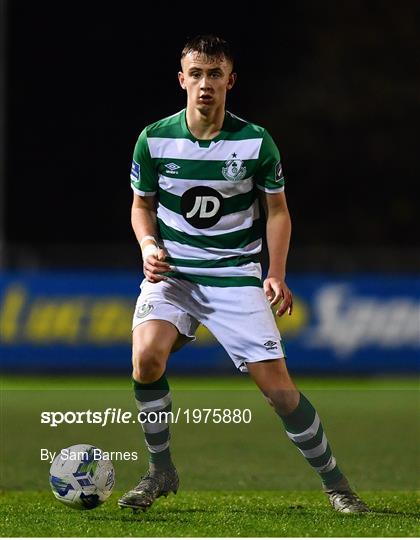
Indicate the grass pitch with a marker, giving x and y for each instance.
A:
(212, 514)
(236, 480)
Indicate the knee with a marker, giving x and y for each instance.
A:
(283, 401)
(148, 363)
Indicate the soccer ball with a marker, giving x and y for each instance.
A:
(80, 478)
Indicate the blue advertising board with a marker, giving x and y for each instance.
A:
(81, 322)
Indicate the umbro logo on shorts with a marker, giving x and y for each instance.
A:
(270, 345)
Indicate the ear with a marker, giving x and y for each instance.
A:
(231, 81)
(181, 79)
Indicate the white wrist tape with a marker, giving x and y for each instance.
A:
(150, 249)
(147, 237)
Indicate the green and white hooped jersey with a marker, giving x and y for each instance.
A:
(208, 213)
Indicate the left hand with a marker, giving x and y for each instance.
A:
(275, 290)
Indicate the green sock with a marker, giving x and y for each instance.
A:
(155, 398)
(304, 429)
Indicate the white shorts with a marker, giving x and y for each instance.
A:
(240, 318)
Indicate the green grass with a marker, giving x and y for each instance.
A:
(236, 480)
(213, 514)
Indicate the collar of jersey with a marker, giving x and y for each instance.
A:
(203, 143)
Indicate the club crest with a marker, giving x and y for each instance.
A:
(234, 169)
(144, 310)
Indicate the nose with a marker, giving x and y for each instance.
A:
(205, 83)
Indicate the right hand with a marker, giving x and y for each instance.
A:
(154, 266)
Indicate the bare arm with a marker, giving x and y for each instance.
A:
(278, 238)
(143, 221)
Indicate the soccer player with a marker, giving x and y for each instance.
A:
(199, 179)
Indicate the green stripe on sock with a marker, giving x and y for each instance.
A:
(152, 414)
(161, 459)
(298, 422)
(320, 460)
(151, 391)
(301, 418)
(157, 438)
(311, 443)
(332, 477)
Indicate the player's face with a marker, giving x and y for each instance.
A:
(206, 80)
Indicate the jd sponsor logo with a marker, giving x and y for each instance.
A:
(202, 207)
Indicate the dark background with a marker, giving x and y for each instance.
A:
(335, 83)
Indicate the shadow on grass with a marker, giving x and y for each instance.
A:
(151, 516)
(178, 515)
(389, 512)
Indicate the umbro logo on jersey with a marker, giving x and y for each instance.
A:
(172, 168)
(270, 345)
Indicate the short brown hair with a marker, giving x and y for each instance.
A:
(208, 45)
